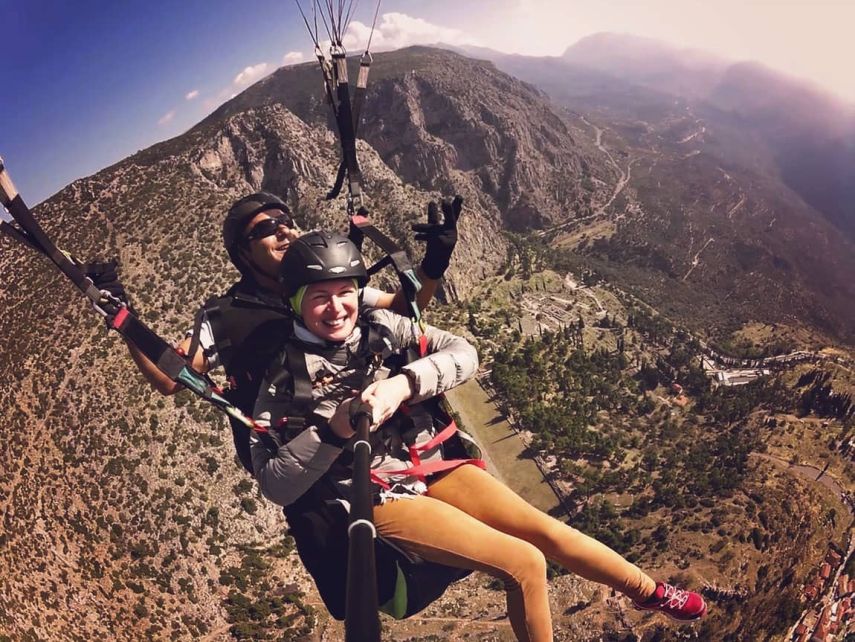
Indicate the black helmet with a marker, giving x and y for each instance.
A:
(239, 215)
(320, 256)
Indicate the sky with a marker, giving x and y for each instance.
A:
(89, 82)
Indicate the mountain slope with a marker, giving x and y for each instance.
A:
(124, 515)
(731, 164)
(440, 120)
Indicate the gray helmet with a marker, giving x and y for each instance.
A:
(320, 256)
(239, 215)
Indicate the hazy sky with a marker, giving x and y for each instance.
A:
(89, 82)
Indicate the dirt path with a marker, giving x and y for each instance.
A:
(503, 447)
(697, 259)
(624, 177)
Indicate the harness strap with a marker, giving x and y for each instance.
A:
(448, 432)
(343, 108)
(299, 376)
(361, 85)
(158, 351)
(21, 213)
(424, 470)
(329, 83)
(347, 131)
(196, 336)
(339, 181)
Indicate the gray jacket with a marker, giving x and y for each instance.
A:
(292, 463)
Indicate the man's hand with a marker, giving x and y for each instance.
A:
(106, 277)
(440, 236)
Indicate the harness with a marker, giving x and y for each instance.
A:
(317, 519)
(249, 327)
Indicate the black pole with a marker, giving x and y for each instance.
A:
(361, 620)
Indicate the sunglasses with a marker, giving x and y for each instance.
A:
(268, 227)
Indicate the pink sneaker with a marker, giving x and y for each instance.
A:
(675, 603)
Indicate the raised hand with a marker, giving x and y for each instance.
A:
(440, 236)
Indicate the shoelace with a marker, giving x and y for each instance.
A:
(676, 598)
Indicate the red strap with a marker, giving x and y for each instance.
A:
(121, 315)
(423, 346)
(423, 470)
(440, 437)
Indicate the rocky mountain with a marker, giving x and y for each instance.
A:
(807, 135)
(123, 513)
(647, 62)
(441, 120)
(124, 516)
(750, 165)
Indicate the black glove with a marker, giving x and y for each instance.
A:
(105, 277)
(441, 237)
(354, 233)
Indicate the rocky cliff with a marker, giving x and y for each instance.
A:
(124, 515)
(441, 120)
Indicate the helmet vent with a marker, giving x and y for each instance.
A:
(321, 256)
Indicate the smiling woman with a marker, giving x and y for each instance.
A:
(329, 309)
(321, 276)
(429, 499)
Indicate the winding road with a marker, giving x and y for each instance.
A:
(623, 180)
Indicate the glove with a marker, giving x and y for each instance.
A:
(105, 277)
(354, 233)
(441, 237)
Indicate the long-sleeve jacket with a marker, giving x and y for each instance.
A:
(288, 463)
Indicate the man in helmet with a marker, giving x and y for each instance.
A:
(240, 330)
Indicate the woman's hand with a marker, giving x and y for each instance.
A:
(385, 397)
(340, 421)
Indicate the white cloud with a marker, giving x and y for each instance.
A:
(166, 118)
(292, 58)
(191, 94)
(397, 30)
(250, 74)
